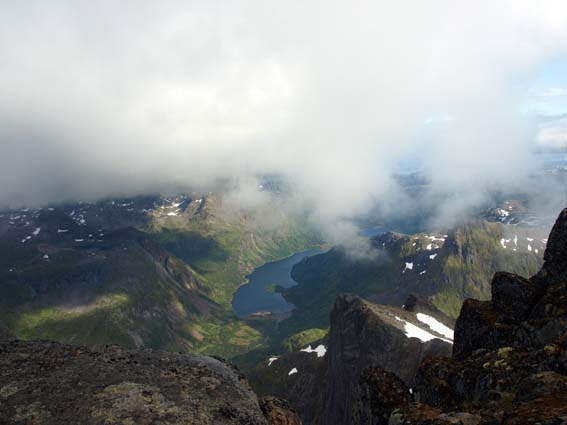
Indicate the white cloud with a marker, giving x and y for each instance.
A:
(100, 98)
(549, 92)
(552, 133)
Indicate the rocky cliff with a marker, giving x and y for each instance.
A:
(322, 381)
(47, 383)
(509, 363)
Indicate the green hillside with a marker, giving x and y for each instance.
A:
(445, 268)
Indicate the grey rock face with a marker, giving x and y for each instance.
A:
(365, 335)
(514, 297)
(50, 383)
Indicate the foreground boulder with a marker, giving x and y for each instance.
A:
(50, 383)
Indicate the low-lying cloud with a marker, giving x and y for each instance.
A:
(112, 98)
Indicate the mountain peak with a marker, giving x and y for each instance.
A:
(555, 256)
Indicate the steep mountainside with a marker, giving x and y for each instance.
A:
(446, 268)
(144, 272)
(509, 363)
(321, 381)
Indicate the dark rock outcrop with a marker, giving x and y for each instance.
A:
(50, 383)
(509, 363)
(383, 392)
(363, 335)
(278, 412)
(364, 339)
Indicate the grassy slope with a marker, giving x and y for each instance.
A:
(118, 294)
(223, 250)
(115, 292)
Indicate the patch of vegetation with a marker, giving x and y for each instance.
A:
(90, 324)
(224, 250)
(303, 339)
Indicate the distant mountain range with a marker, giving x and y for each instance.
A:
(144, 272)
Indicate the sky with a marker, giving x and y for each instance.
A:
(548, 90)
(114, 98)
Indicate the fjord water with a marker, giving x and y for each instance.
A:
(258, 294)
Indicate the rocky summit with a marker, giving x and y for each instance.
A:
(45, 382)
(325, 386)
(509, 363)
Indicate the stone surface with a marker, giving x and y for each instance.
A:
(50, 383)
(363, 337)
(278, 411)
(383, 391)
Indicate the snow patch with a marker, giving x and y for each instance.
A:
(271, 360)
(292, 371)
(409, 266)
(432, 256)
(320, 350)
(413, 331)
(36, 231)
(436, 325)
(502, 213)
(433, 238)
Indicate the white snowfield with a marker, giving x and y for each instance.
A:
(409, 266)
(502, 213)
(436, 325)
(292, 371)
(434, 238)
(413, 331)
(271, 360)
(432, 256)
(320, 350)
(517, 247)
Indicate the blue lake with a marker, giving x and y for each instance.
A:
(257, 295)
